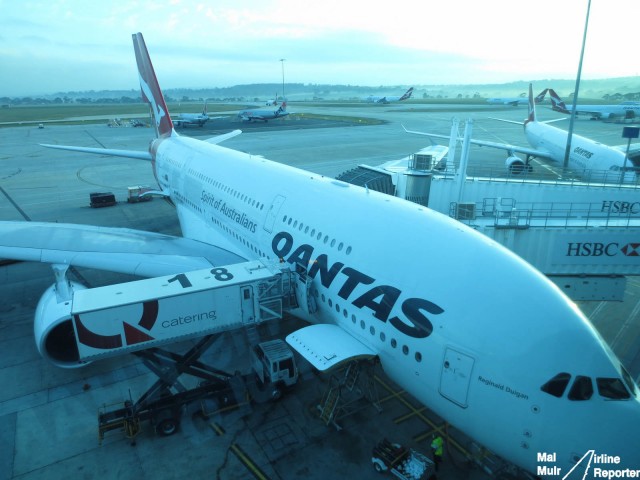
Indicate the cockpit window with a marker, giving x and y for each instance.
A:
(557, 385)
(612, 388)
(582, 389)
(631, 385)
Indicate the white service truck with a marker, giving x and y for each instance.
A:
(274, 365)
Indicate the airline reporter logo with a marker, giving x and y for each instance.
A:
(592, 465)
(599, 249)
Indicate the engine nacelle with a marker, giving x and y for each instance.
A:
(53, 330)
(517, 166)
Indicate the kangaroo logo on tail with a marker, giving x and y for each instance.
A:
(407, 94)
(540, 97)
(151, 92)
(557, 103)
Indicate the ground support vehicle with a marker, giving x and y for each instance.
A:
(405, 463)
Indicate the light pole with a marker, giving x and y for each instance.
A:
(567, 151)
(282, 60)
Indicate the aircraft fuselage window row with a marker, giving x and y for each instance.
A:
(240, 238)
(185, 201)
(582, 387)
(243, 197)
(315, 234)
(363, 325)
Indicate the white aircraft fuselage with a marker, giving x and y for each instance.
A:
(459, 322)
(585, 154)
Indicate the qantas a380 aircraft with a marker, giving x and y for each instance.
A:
(465, 326)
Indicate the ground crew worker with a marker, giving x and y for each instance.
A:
(437, 446)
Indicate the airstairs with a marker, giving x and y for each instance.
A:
(349, 390)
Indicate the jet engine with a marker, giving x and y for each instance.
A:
(53, 329)
(517, 166)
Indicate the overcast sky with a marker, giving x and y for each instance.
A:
(49, 46)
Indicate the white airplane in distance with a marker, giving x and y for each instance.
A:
(587, 156)
(190, 119)
(515, 101)
(274, 102)
(516, 365)
(263, 114)
(596, 112)
(389, 99)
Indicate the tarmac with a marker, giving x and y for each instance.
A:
(49, 416)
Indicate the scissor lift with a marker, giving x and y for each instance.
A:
(164, 401)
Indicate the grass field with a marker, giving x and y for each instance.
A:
(70, 114)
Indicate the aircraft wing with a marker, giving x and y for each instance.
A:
(123, 250)
(325, 345)
(221, 138)
(137, 154)
(485, 143)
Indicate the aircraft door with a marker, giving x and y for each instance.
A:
(456, 376)
(273, 212)
(247, 305)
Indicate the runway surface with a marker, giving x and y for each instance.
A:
(48, 416)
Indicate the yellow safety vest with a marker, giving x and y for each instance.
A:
(436, 446)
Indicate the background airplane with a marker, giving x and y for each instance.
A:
(626, 110)
(389, 99)
(263, 114)
(485, 364)
(548, 142)
(192, 119)
(515, 101)
(274, 102)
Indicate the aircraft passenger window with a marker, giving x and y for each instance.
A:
(326, 238)
(582, 389)
(353, 318)
(557, 385)
(394, 344)
(372, 330)
(319, 236)
(313, 232)
(418, 357)
(612, 388)
(284, 219)
(344, 312)
(340, 246)
(333, 242)
(337, 308)
(362, 324)
(306, 229)
(348, 250)
(405, 350)
(383, 337)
